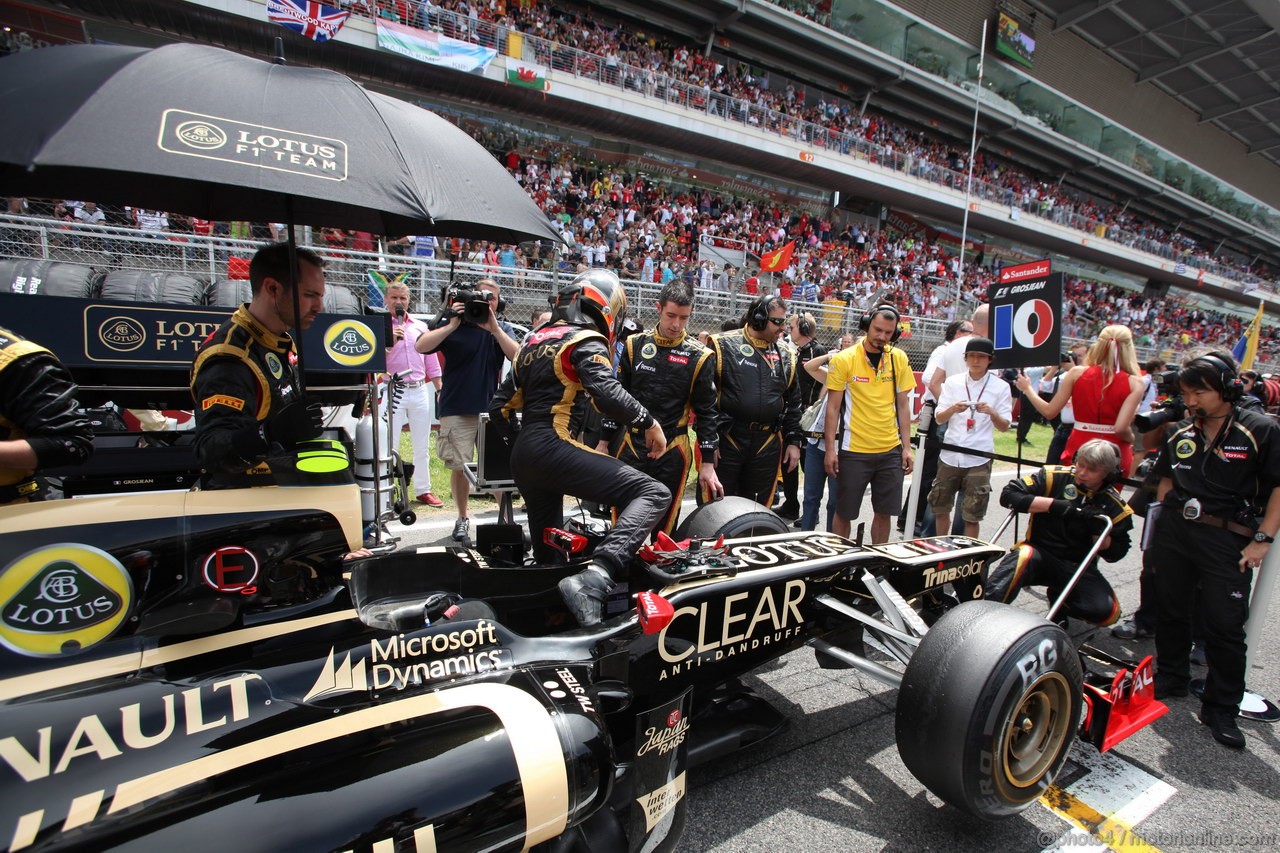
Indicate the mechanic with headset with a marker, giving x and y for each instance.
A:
(671, 375)
(552, 369)
(41, 424)
(803, 328)
(868, 423)
(249, 405)
(1219, 470)
(758, 395)
(1064, 503)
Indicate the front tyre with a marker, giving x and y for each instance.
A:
(988, 708)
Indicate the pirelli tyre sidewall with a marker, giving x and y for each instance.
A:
(988, 708)
(733, 517)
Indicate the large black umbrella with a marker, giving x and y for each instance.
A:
(209, 133)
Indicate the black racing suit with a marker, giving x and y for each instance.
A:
(758, 394)
(1197, 562)
(553, 368)
(672, 378)
(241, 377)
(1056, 544)
(38, 403)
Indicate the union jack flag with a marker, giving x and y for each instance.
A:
(316, 21)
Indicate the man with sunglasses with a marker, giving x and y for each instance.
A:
(758, 396)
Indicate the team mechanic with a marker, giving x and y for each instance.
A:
(670, 374)
(41, 424)
(249, 405)
(1063, 526)
(758, 395)
(1218, 470)
(554, 366)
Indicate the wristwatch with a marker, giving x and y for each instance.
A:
(1262, 537)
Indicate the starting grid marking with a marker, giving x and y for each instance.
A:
(1104, 805)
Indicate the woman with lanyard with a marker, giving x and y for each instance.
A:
(1104, 393)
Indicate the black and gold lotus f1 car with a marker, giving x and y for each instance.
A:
(202, 670)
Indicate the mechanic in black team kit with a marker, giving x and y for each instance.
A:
(41, 424)
(248, 402)
(758, 394)
(1219, 490)
(671, 375)
(553, 368)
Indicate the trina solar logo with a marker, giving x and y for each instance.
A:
(122, 334)
(349, 342)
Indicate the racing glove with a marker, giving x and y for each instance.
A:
(1062, 508)
(301, 420)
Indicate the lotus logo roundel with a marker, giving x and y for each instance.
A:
(349, 342)
(201, 134)
(62, 599)
(1033, 323)
(122, 334)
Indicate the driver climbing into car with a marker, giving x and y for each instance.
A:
(553, 368)
(249, 405)
(1064, 504)
(41, 424)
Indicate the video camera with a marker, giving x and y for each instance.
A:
(1169, 411)
(475, 303)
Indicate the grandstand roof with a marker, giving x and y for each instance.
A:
(1219, 58)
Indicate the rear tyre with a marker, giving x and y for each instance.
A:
(733, 517)
(988, 708)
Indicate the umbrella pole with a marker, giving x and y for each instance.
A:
(297, 300)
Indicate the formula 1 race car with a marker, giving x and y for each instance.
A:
(203, 670)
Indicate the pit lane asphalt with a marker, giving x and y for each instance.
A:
(833, 781)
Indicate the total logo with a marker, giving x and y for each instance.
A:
(62, 599)
(350, 342)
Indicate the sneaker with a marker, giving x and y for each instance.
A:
(789, 510)
(430, 499)
(1222, 722)
(1129, 629)
(585, 594)
(462, 531)
(1197, 654)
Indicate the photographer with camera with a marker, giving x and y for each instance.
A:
(1219, 470)
(473, 344)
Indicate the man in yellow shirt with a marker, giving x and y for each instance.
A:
(868, 423)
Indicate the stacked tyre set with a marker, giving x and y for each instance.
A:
(59, 278)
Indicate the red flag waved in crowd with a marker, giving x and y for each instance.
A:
(777, 260)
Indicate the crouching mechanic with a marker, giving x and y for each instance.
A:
(249, 405)
(670, 374)
(554, 366)
(1065, 504)
(41, 424)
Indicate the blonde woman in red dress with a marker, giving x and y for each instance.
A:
(1104, 392)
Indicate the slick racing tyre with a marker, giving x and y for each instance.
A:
(146, 286)
(988, 708)
(734, 517)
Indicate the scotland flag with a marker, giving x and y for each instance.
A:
(316, 21)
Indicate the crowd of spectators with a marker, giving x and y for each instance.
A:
(646, 61)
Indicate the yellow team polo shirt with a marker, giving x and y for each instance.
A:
(870, 420)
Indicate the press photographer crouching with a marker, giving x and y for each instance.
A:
(1219, 469)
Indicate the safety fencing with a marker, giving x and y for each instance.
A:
(73, 259)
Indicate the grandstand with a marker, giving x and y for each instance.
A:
(659, 128)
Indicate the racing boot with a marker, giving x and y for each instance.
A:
(585, 594)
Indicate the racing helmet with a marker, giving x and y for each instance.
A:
(594, 298)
